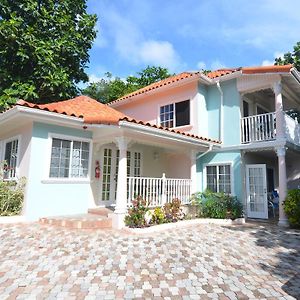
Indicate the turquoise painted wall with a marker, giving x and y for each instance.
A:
(234, 158)
(231, 112)
(49, 199)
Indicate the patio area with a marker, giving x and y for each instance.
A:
(253, 261)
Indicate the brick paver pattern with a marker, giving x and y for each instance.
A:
(200, 262)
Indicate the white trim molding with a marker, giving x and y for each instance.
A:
(47, 179)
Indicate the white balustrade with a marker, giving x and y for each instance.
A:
(263, 128)
(292, 130)
(158, 191)
(258, 128)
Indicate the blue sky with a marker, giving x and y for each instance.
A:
(185, 35)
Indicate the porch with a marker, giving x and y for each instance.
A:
(156, 164)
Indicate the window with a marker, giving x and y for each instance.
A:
(219, 178)
(175, 114)
(69, 159)
(10, 158)
(245, 109)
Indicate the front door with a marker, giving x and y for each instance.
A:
(256, 187)
(109, 174)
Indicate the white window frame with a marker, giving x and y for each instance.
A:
(216, 164)
(3, 146)
(71, 138)
(174, 112)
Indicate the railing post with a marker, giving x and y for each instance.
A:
(164, 191)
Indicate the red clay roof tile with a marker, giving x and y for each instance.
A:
(84, 107)
(94, 112)
(159, 84)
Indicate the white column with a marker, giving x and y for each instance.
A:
(121, 199)
(193, 171)
(282, 185)
(280, 122)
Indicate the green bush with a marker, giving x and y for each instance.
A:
(158, 216)
(218, 205)
(172, 211)
(291, 207)
(11, 197)
(136, 213)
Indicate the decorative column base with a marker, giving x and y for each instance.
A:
(118, 220)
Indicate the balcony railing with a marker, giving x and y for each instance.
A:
(258, 128)
(158, 191)
(262, 127)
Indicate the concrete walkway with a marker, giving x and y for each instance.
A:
(198, 262)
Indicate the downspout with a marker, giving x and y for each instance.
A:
(221, 113)
(207, 151)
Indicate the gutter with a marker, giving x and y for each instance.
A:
(171, 135)
(206, 152)
(221, 113)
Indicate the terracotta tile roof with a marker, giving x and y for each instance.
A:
(267, 69)
(94, 112)
(159, 84)
(131, 120)
(84, 107)
(221, 72)
(251, 70)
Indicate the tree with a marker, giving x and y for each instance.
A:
(44, 48)
(290, 58)
(109, 88)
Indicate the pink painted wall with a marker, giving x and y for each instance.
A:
(146, 107)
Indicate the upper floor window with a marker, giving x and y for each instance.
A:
(175, 114)
(69, 159)
(10, 159)
(218, 178)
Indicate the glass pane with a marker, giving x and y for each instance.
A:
(182, 110)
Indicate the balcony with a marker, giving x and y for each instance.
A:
(262, 128)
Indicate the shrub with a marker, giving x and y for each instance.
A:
(173, 211)
(291, 207)
(158, 216)
(11, 197)
(136, 213)
(218, 205)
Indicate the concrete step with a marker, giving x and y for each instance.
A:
(82, 221)
(100, 211)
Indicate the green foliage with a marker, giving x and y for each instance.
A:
(158, 216)
(218, 205)
(136, 213)
(290, 57)
(11, 197)
(172, 211)
(109, 88)
(291, 207)
(43, 48)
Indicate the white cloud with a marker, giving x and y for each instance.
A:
(216, 64)
(94, 78)
(268, 62)
(131, 44)
(160, 53)
(201, 65)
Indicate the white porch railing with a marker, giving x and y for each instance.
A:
(258, 128)
(158, 191)
(292, 130)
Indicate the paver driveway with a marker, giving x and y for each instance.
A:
(200, 262)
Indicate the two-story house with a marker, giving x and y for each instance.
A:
(226, 131)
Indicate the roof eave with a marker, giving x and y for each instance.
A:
(184, 81)
(169, 134)
(41, 115)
